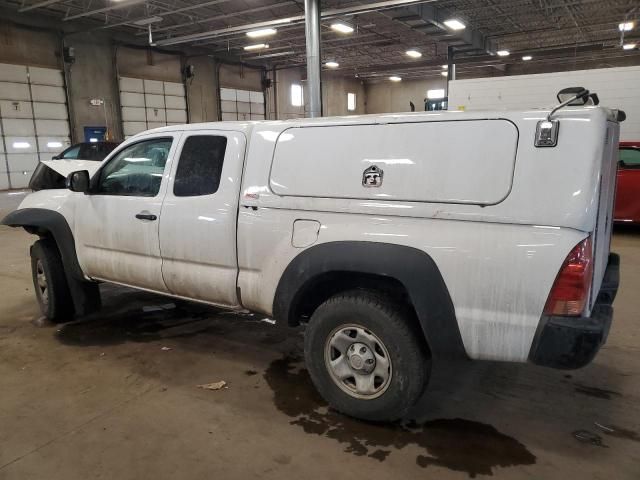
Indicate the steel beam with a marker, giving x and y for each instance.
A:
(39, 5)
(312, 34)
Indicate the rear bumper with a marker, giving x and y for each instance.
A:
(572, 342)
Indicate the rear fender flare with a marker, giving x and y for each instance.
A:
(413, 268)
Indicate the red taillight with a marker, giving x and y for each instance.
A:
(570, 291)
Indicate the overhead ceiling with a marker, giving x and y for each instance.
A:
(548, 30)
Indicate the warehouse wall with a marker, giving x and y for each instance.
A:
(29, 46)
(202, 95)
(284, 79)
(334, 95)
(616, 88)
(93, 76)
(387, 96)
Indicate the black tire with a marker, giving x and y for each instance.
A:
(54, 297)
(394, 327)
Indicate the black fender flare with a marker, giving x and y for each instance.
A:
(413, 268)
(85, 294)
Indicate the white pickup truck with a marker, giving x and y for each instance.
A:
(398, 239)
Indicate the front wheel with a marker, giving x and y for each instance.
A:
(365, 356)
(50, 282)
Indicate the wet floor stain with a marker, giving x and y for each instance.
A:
(250, 373)
(595, 392)
(454, 443)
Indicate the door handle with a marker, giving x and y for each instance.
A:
(146, 216)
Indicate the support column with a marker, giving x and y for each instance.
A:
(312, 34)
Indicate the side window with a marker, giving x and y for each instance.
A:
(136, 170)
(200, 166)
(72, 153)
(630, 157)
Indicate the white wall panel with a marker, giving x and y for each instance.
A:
(229, 116)
(131, 128)
(176, 116)
(20, 162)
(175, 89)
(50, 111)
(228, 94)
(134, 114)
(52, 144)
(616, 87)
(156, 101)
(256, 97)
(46, 76)
(131, 85)
(52, 127)
(23, 144)
(153, 86)
(156, 115)
(241, 104)
(128, 99)
(18, 126)
(178, 103)
(13, 73)
(46, 93)
(14, 91)
(20, 179)
(15, 109)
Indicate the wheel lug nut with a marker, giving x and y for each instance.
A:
(369, 361)
(363, 350)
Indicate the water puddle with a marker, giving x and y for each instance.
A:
(454, 443)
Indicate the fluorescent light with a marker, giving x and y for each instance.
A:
(54, 144)
(626, 26)
(93, 140)
(395, 78)
(527, 58)
(21, 144)
(256, 46)
(263, 32)
(628, 46)
(332, 64)
(341, 27)
(503, 53)
(413, 53)
(454, 24)
(444, 74)
(435, 94)
(445, 67)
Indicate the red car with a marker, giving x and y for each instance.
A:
(627, 208)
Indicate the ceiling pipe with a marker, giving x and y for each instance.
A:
(38, 5)
(334, 12)
(312, 34)
(114, 6)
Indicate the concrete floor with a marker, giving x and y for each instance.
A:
(103, 398)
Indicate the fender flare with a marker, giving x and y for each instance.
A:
(413, 268)
(85, 294)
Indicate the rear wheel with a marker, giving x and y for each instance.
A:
(365, 357)
(50, 282)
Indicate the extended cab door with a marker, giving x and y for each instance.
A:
(117, 223)
(199, 216)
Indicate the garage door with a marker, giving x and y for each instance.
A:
(150, 104)
(241, 104)
(34, 123)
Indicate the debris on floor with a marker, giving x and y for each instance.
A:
(165, 349)
(269, 321)
(214, 386)
(585, 436)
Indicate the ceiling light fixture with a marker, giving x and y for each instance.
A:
(628, 46)
(341, 27)
(332, 64)
(527, 58)
(626, 26)
(503, 53)
(263, 32)
(413, 53)
(257, 46)
(395, 78)
(454, 24)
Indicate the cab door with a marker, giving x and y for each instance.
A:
(199, 217)
(117, 223)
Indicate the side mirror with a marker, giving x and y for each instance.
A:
(78, 181)
(576, 95)
(55, 157)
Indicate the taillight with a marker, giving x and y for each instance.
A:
(570, 291)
